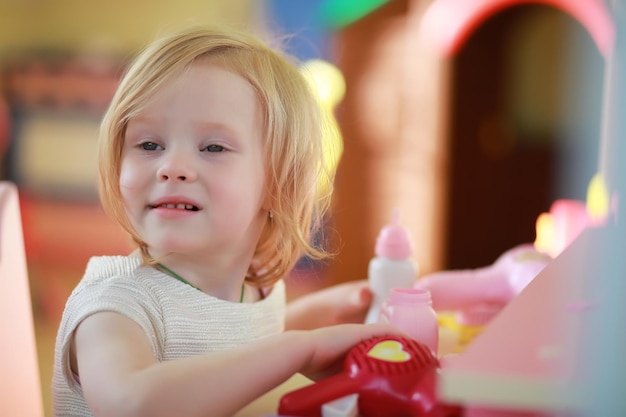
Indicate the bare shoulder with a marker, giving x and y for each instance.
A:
(108, 345)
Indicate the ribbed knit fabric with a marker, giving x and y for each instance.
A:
(179, 320)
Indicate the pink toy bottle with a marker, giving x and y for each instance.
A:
(392, 266)
(410, 309)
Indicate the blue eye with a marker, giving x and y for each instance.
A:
(149, 146)
(214, 148)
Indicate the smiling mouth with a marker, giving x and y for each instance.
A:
(188, 207)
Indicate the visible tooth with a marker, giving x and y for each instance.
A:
(179, 206)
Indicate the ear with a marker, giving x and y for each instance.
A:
(266, 204)
(267, 200)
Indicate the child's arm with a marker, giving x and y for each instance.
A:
(119, 376)
(338, 304)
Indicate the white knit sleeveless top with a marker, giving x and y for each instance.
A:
(179, 320)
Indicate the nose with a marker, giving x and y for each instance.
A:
(176, 167)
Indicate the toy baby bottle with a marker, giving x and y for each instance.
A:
(392, 266)
(410, 310)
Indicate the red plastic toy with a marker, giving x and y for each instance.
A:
(393, 377)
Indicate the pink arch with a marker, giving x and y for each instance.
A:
(448, 23)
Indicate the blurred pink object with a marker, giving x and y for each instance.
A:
(490, 288)
(496, 284)
(410, 309)
(557, 229)
(448, 23)
(394, 241)
(19, 380)
(392, 267)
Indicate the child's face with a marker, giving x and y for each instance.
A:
(192, 174)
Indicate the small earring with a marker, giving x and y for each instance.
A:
(270, 215)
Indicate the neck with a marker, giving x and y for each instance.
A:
(218, 282)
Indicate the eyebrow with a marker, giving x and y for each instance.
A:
(142, 119)
(202, 126)
(198, 125)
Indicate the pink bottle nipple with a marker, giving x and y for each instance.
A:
(394, 241)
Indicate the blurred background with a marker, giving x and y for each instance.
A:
(471, 144)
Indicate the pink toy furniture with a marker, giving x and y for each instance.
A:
(526, 358)
(495, 284)
(476, 296)
(20, 389)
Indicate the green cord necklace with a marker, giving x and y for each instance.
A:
(181, 279)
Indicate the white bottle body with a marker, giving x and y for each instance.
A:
(385, 274)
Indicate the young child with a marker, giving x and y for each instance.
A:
(210, 158)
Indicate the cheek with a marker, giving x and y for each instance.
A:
(130, 176)
(131, 182)
(243, 195)
(257, 188)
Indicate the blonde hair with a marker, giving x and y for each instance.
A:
(294, 126)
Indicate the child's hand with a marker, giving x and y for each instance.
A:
(331, 344)
(339, 304)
